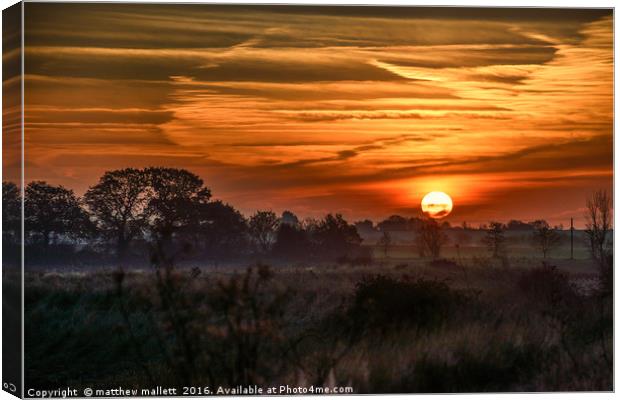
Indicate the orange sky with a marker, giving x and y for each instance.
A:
(359, 110)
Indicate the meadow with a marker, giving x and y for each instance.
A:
(399, 323)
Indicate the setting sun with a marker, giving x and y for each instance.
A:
(436, 204)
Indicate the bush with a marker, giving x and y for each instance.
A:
(380, 302)
(444, 264)
(361, 257)
(546, 284)
(580, 321)
(501, 368)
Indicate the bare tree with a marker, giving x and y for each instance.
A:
(431, 238)
(544, 236)
(495, 238)
(118, 203)
(262, 226)
(385, 242)
(598, 223)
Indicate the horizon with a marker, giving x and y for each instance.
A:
(509, 111)
(471, 225)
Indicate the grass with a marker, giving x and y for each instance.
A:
(398, 325)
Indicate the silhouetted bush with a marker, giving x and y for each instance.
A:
(245, 334)
(606, 275)
(580, 320)
(360, 257)
(546, 284)
(381, 302)
(443, 263)
(500, 368)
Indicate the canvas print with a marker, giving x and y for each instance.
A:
(286, 199)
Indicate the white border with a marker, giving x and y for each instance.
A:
(477, 3)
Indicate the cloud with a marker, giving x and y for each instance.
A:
(337, 116)
(97, 115)
(300, 104)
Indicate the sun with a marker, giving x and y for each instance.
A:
(436, 204)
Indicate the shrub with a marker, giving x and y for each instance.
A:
(444, 264)
(361, 257)
(501, 368)
(482, 262)
(246, 331)
(580, 321)
(546, 284)
(380, 302)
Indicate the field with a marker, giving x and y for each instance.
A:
(463, 323)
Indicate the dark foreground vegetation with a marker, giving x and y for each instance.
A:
(421, 328)
(188, 291)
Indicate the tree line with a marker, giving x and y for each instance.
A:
(128, 211)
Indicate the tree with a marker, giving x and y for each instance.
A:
(52, 211)
(223, 229)
(291, 241)
(385, 242)
(494, 238)
(516, 225)
(430, 238)
(334, 236)
(11, 212)
(598, 223)
(544, 236)
(365, 227)
(394, 223)
(289, 218)
(175, 202)
(118, 203)
(263, 225)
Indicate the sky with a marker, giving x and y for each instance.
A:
(356, 110)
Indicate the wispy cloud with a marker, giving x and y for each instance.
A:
(322, 108)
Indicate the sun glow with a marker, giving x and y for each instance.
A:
(436, 204)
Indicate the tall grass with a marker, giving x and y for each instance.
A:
(416, 328)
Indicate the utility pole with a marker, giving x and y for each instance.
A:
(572, 230)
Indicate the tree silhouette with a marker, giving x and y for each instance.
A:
(431, 238)
(335, 236)
(291, 241)
(494, 238)
(289, 218)
(598, 223)
(52, 211)
(516, 225)
(118, 202)
(544, 236)
(385, 242)
(176, 200)
(365, 227)
(394, 223)
(223, 229)
(11, 212)
(263, 225)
